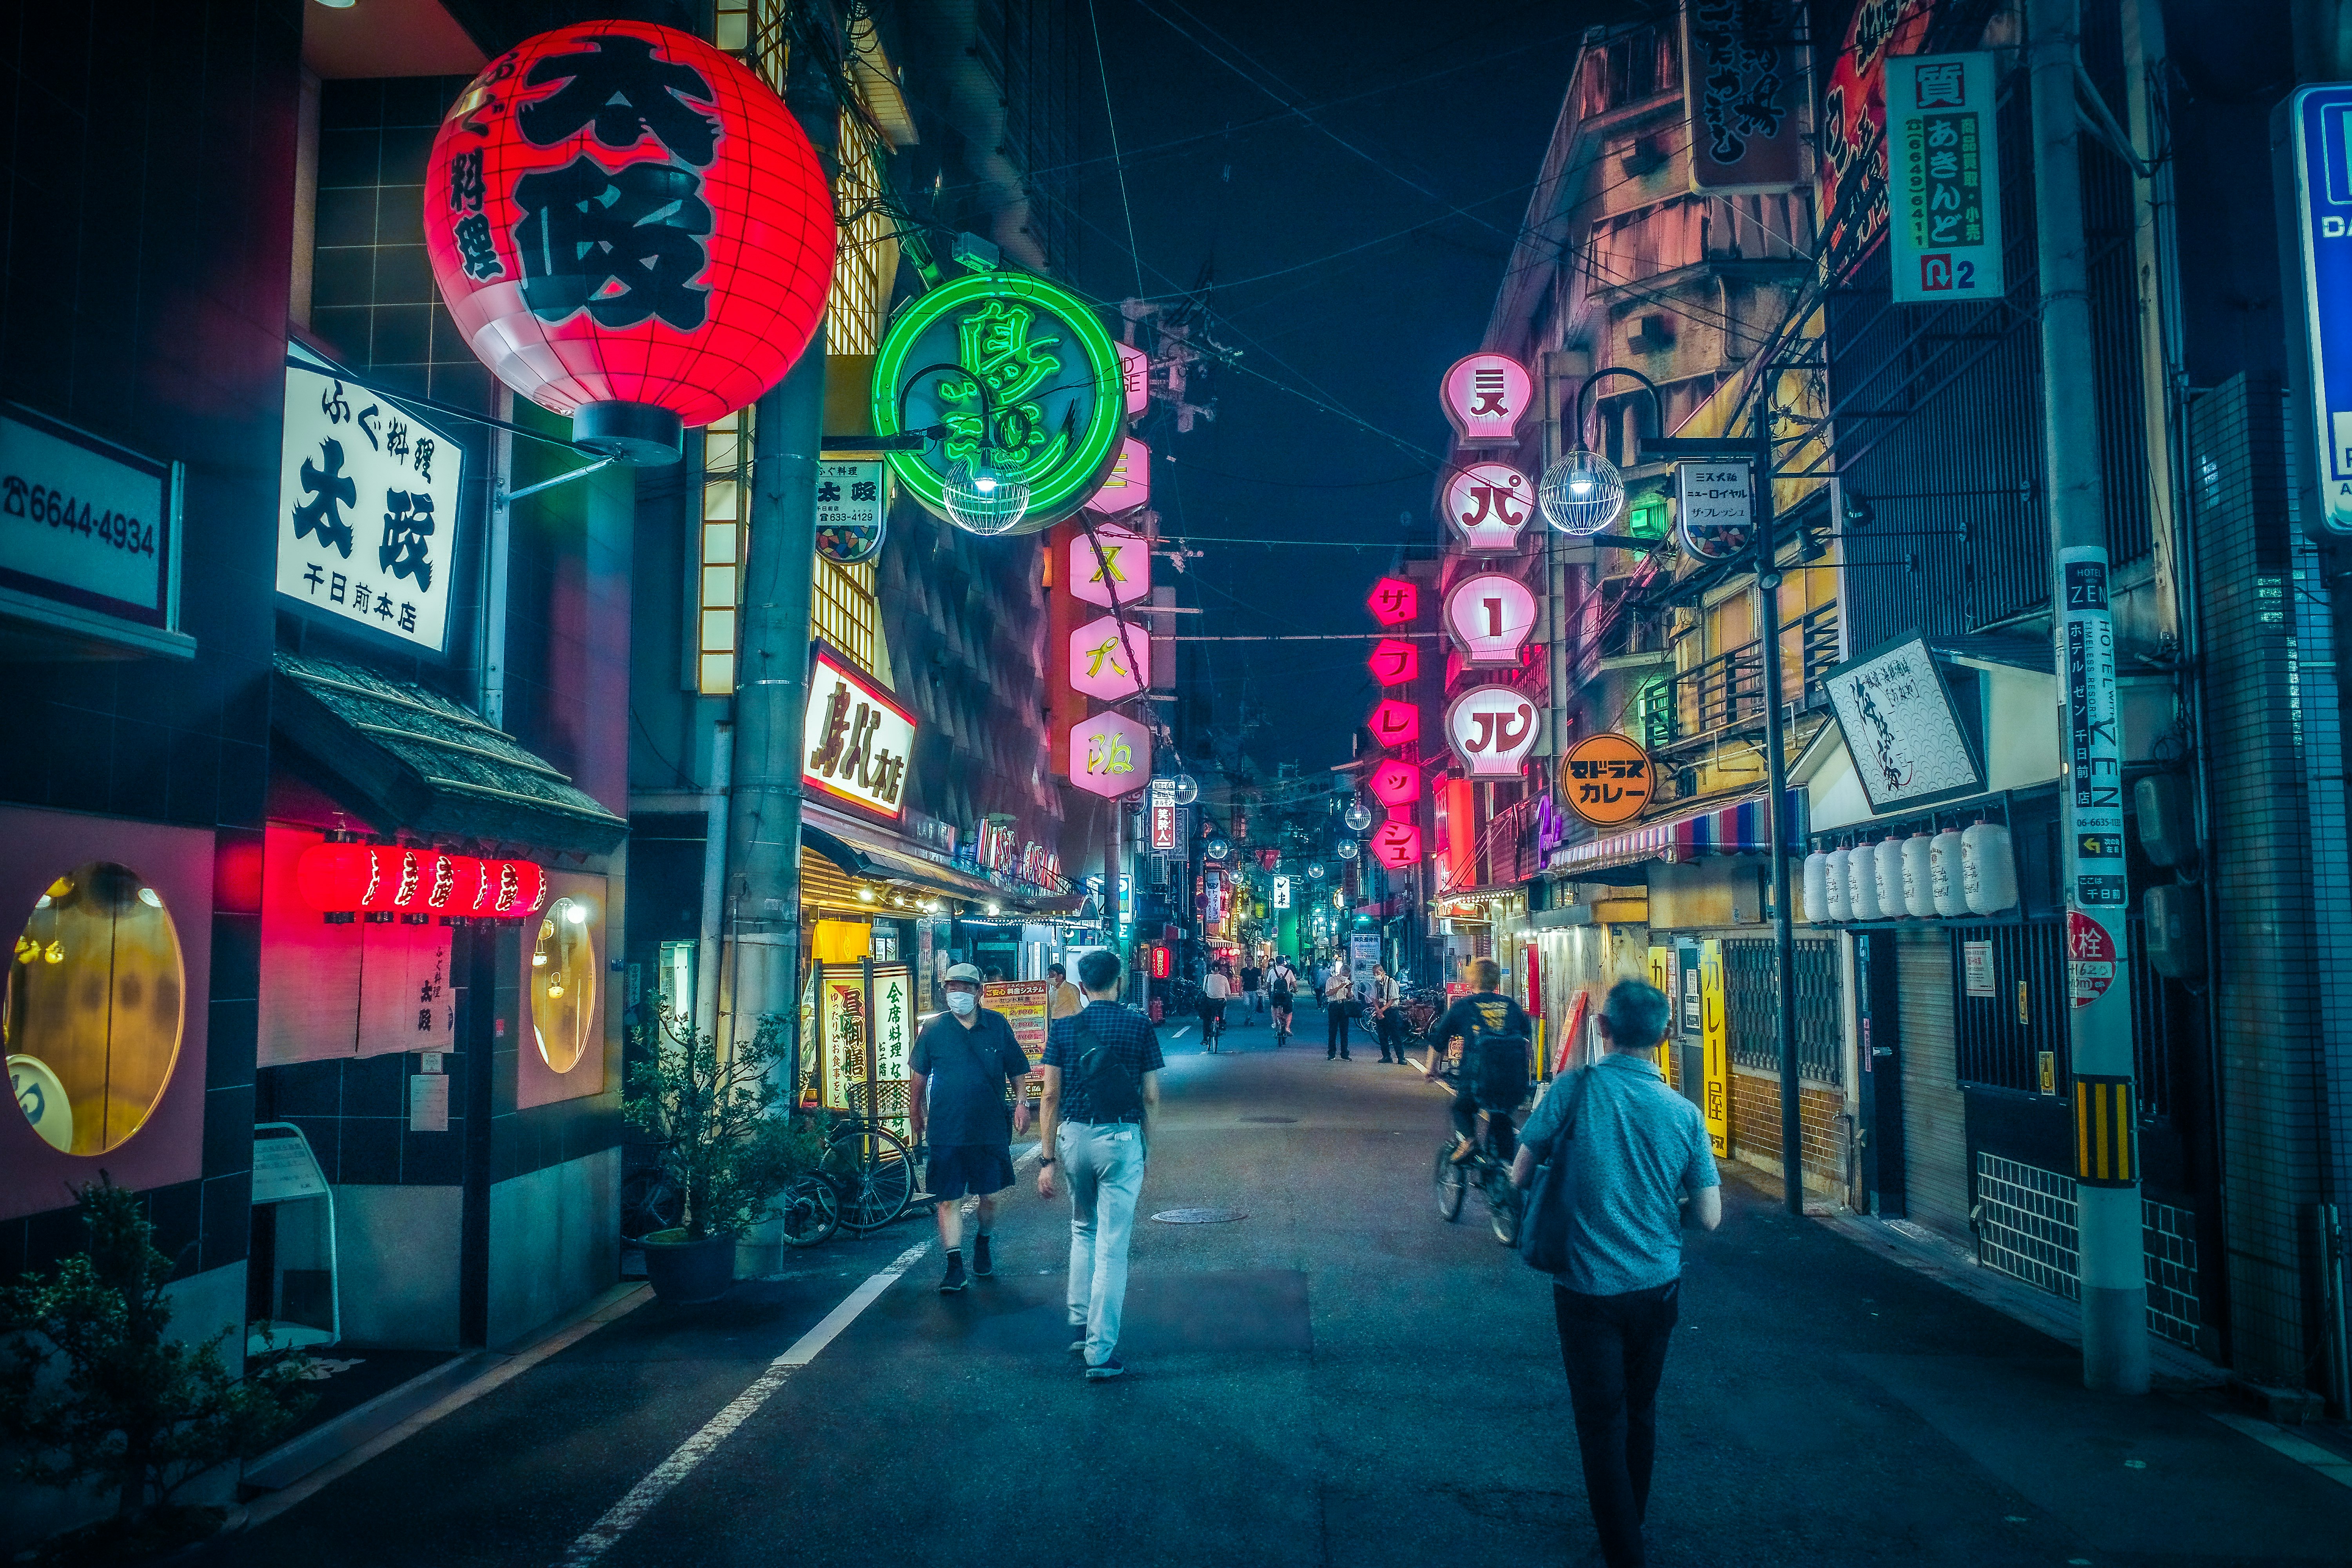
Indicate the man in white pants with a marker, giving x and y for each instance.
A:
(1101, 1090)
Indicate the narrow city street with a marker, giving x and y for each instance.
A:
(1336, 1377)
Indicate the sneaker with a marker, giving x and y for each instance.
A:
(1463, 1150)
(1104, 1371)
(1079, 1346)
(982, 1266)
(955, 1279)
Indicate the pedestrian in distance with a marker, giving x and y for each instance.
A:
(1338, 1001)
(1215, 991)
(1643, 1169)
(1101, 1093)
(1388, 1016)
(1062, 998)
(1253, 982)
(965, 1061)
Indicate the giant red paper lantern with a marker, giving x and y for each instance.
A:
(628, 228)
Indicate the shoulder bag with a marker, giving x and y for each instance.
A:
(1551, 1197)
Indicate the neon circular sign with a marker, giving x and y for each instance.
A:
(1023, 378)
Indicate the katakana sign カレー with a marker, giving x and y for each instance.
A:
(367, 509)
(1606, 779)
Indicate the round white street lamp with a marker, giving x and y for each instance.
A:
(1582, 493)
(983, 502)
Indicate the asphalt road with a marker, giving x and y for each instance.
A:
(1338, 1378)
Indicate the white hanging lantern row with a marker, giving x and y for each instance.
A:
(1892, 905)
(1862, 882)
(1918, 877)
(1944, 875)
(1834, 894)
(1817, 888)
(1987, 868)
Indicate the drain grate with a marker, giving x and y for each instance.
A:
(1199, 1217)
(1271, 1120)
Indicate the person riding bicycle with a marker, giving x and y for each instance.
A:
(1280, 981)
(1215, 991)
(1498, 1039)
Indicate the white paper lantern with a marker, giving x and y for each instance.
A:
(1817, 888)
(1943, 893)
(1987, 868)
(1835, 893)
(1892, 906)
(1918, 878)
(1862, 882)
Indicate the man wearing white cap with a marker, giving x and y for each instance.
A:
(964, 1061)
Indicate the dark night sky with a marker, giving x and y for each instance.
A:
(1253, 192)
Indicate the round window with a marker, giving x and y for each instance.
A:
(94, 1008)
(563, 982)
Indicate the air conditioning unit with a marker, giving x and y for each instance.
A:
(2174, 916)
(1650, 335)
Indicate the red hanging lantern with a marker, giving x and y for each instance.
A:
(628, 227)
(338, 879)
(397, 878)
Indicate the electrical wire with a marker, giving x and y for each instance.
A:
(1112, 119)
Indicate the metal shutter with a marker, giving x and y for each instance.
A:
(1935, 1113)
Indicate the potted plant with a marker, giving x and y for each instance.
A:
(95, 1392)
(725, 1140)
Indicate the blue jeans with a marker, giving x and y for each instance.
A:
(1104, 1163)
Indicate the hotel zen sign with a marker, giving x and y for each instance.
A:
(89, 536)
(859, 740)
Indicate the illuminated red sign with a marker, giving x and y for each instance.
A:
(1394, 601)
(1394, 783)
(1160, 961)
(1395, 845)
(1163, 829)
(1394, 662)
(1395, 723)
(405, 878)
(619, 215)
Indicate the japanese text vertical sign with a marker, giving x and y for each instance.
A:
(841, 1014)
(2095, 768)
(1943, 178)
(367, 509)
(1852, 169)
(2318, 140)
(1715, 1046)
(851, 506)
(1744, 83)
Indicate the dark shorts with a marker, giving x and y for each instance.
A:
(969, 1170)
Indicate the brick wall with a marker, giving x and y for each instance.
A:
(1756, 1126)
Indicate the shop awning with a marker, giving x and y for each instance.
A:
(1740, 827)
(867, 854)
(408, 758)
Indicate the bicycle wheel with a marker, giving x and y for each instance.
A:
(1503, 1207)
(809, 1210)
(872, 1174)
(648, 1203)
(1451, 1185)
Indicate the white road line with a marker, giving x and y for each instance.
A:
(599, 1538)
(2302, 1450)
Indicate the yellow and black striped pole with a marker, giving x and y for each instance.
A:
(2106, 1124)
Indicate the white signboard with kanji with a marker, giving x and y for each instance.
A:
(367, 509)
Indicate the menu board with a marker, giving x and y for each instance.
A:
(843, 1033)
(1025, 1003)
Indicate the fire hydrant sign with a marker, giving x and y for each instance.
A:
(2090, 959)
(1943, 178)
(367, 509)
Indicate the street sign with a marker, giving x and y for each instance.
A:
(2094, 761)
(2318, 141)
(1943, 178)
(853, 509)
(1607, 779)
(1716, 505)
(1906, 740)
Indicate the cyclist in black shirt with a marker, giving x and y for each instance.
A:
(1497, 1037)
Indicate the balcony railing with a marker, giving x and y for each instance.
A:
(1726, 694)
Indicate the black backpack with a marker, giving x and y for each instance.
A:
(1496, 1062)
(1113, 1094)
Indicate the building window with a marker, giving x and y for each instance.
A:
(563, 982)
(845, 613)
(95, 1008)
(867, 261)
(718, 558)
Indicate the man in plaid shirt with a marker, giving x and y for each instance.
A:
(1101, 1149)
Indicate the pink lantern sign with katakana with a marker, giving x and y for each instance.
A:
(1129, 484)
(1393, 782)
(1109, 567)
(1395, 723)
(1487, 504)
(1394, 662)
(1109, 660)
(1111, 755)
(1490, 618)
(1394, 601)
(1395, 845)
(1492, 728)
(1485, 395)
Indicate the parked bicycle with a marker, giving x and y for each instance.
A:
(864, 1182)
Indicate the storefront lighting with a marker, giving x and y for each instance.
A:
(575, 911)
(538, 960)
(1358, 817)
(865, 895)
(994, 911)
(147, 896)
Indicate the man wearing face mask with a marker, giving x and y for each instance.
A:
(964, 1061)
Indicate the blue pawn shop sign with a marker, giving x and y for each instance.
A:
(2315, 145)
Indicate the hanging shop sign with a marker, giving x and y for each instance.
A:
(1127, 486)
(2319, 267)
(842, 1022)
(853, 505)
(1109, 658)
(1394, 601)
(367, 510)
(87, 524)
(1110, 567)
(1395, 723)
(1394, 662)
(1607, 779)
(1111, 755)
(1163, 826)
(1395, 845)
(1744, 81)
(1715, 508)
(2094, 758)
(628, 227)
(1394, 783)
(1902, 730)
(1715, 1049)
(1490, 618)
(1023, 376)
(1135, 367)
(416, 880)
(1282, 892)
(1943, 178)
(1485, 395)
(859, 740)
(1853, 165)
(1492, 728)
(1486, 505)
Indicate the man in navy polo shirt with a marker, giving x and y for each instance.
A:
(964, 1062)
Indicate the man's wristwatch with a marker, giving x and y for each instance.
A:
(1042, 1163)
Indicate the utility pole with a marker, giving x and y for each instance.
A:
(1776, 780)
(2114, 1273)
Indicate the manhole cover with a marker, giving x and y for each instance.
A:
(1272, 1120)
(1198, 1216)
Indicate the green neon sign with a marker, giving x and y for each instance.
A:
(1024, 377)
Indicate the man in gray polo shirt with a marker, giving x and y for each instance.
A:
(1637, 1146)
